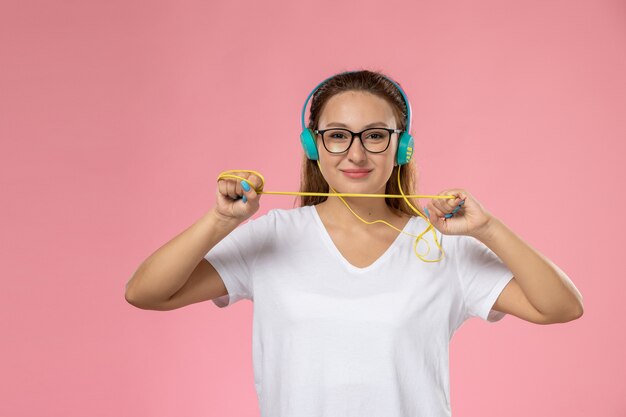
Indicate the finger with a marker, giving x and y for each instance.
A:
(450, 205)
(453, 202)
(429, 213)
(251, 194)
(232, 189)
(254, 181)
(458, 207)
(442, 203)
(435, 211)
(222, 187)
(453, 212)
(249, 191)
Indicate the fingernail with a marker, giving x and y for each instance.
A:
(448, 215)
(245, 199)
(426, 210)
(245, 186)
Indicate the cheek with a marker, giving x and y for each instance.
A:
(389, 159)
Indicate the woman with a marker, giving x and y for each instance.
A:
(347, 320)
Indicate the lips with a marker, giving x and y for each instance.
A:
(356, 173)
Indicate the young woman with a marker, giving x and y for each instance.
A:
(351, 318)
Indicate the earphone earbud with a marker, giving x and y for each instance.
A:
(307, 138)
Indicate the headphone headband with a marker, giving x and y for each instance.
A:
(405, 140)
(404, 97)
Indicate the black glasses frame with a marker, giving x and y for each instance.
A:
(391, 132)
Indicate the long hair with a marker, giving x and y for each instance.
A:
(376, 83)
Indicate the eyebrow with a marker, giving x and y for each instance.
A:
(375, 124)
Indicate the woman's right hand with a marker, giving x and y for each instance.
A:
(233, 200)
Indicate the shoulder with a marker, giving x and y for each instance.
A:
(293, 214)
(290, 218)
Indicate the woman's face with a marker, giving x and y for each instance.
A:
(356, 110)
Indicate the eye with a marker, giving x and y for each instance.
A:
(338, 135)
(377, 135)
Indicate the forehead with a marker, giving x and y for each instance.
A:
(356, 109)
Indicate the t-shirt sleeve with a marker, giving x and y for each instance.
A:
(233, 258)
(482, 276)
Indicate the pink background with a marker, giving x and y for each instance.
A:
(117, 116)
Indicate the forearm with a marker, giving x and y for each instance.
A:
(545, 285)
(165, 271)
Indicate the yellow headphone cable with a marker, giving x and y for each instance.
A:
(228, 174)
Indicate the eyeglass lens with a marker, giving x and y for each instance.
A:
(338, 140)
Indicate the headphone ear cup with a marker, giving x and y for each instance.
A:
(307, 139)
(405, 148)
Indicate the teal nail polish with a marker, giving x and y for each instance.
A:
(457, 208)
(426, 210)
(245, 199)
(245, 186)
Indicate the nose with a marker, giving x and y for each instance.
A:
(356, 151)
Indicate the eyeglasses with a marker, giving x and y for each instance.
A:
(375, 140)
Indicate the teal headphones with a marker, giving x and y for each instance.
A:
(405, 142)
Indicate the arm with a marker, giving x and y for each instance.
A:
(177, 273)
(168, 269)
(540, 291)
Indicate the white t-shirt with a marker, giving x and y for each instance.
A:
(334, 340)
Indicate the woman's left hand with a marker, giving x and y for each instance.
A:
(470, 218)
